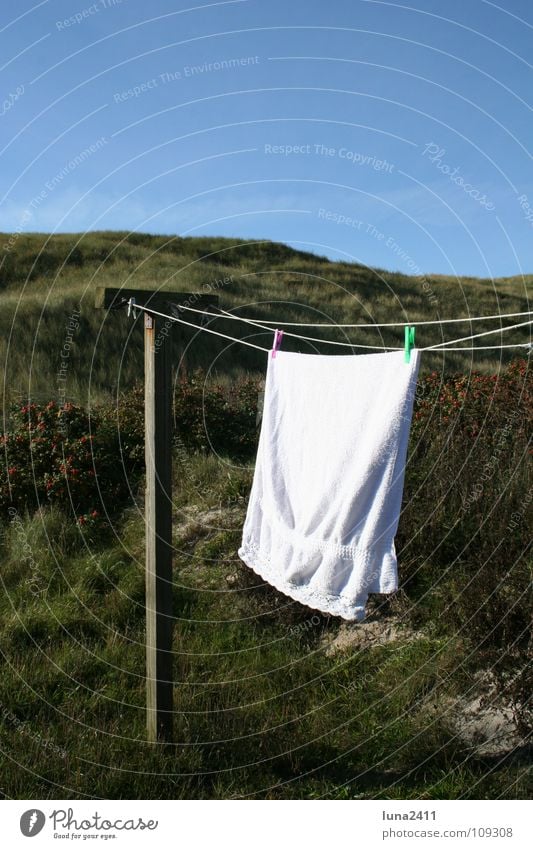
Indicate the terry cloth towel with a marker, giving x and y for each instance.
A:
(328, 481)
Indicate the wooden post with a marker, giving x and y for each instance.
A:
(158, 497)
(158, 520)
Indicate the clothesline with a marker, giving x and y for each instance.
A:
(280, 323)
(478, 335)
(432, 348)
(225, 314)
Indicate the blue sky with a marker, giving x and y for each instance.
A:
(391, 134)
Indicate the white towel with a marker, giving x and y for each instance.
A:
(328, 482)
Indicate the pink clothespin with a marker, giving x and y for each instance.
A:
(277, 342)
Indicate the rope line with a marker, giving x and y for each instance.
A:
(429, 347)
(226, 314)
(255, 323)
(433, 348)
(478, 335)
(267, 330)
(250, 321)
(195, 326)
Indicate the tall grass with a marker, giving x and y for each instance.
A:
(261, 709)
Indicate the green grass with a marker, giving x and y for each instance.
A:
(44, 279)
(262, 710)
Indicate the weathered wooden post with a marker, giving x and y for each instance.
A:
(158, 523)
(158, 495)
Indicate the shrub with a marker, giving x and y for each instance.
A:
(470, 443)
(61, 454)
(464, 536)
(218, 418)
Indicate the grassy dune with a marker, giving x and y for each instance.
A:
(47, 284)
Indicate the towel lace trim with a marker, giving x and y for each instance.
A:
(336, 605)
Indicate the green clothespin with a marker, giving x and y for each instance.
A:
(409, 342)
